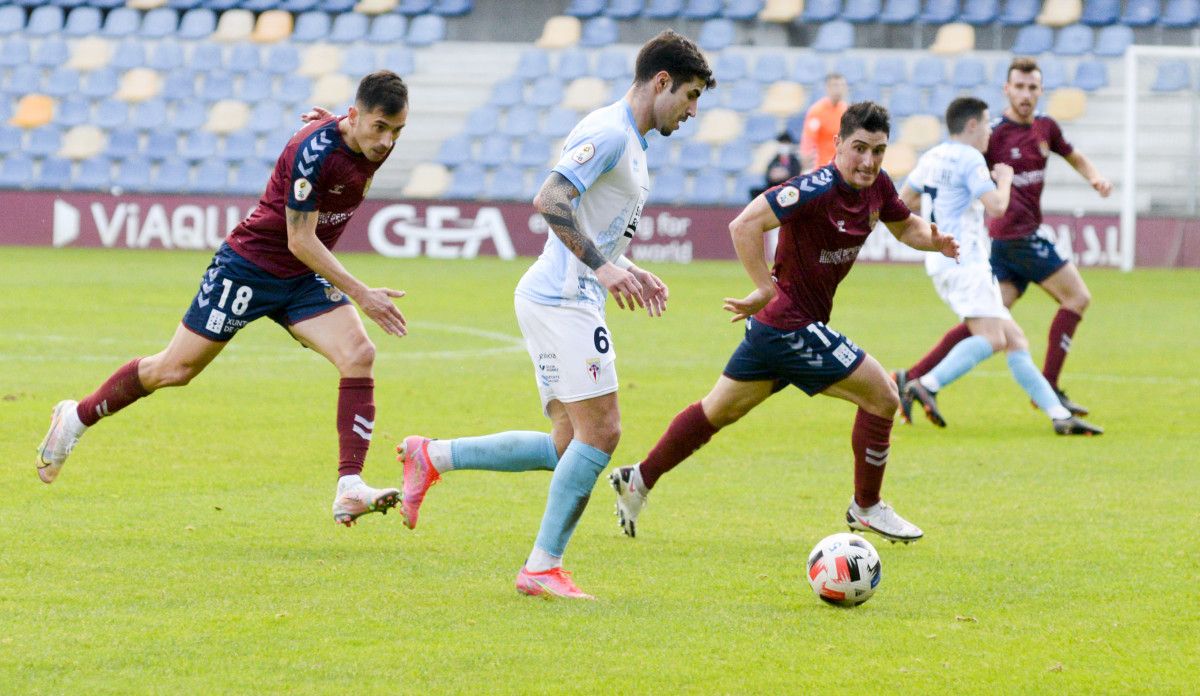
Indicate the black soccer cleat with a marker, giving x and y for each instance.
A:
(1074, 408)
(1076, 426)
(900, 377)
(928, 400)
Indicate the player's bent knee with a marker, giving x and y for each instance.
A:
(360, 355)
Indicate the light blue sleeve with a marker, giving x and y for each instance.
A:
(975, 176)
(590, 153)
(916, 178)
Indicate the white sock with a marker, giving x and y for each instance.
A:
(636, 482)
(930, 382)
(349, 481)
(439, 455)
(865, 511)
(1059, 412)
(541, 561)
(72, 422)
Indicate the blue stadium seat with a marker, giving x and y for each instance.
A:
(198, 145)
(1091, 75)
(861, 11)
(123, 141)
(238, 146)
(12, 19)
(52, 53)
(14, 51)
(219, 6)
(708, 188)
(94, 174)
(388, 29)
(400, 60)
(559, 121)
(612, 65)
(979, 12)
(282, 59)
(197, 23)
(265, 117)
(939, 99)
(337, 6)
(358, 60)
(599, 32)
(625, 9)
(44, 140)
(425, 30)
(760, 128)
(770, 67)
(938, 12)
(10, 138)
(521, 120)
(120, 22)
(244, 58)
(188, 115)
(534, 151)
(218, 85)
(100, 83)
(853, 68)
(1054, 72)
(179, 84)
(149, 115)
(212, 176)
(484, 120)
(1172, 76)
(161, 144)
(133, 174)
(743, 185)
(742, 10)
(130, 53)
(111, 113)
(411, 8)
(55, 173)
(660, 153)
(745, 95)
(172, 176)
(866, 91)
(250, 178)
(929, 71)
(207, 56)
(182, 4)
(890, 71)
(507, 92)
(585, 9)
(1074, 40)
(348, 28)
(72, 111)
(310, 26)
(702, 9)
(900, 11)
(295, 89)
(466, 182)
(495, 150)
(297, 6)
(809, 69)
(106, 4)
(532, 64)
(735, 156)
(271, 146)
(165, 55)
(45, 21)
(1140, 13)
(717, 34)
(1019, 13)
(572, 63)
(159, 23)
(16, 171)
(729, 67)
(1033, 39)
(820, 11)
(663, 9)
(257, 6)
(905, 101)
(1181, 14)
(1100, 13)
(668, 186)
(834, 36)
(968, 73)
(694, 155)
(24, 79)
(1112, 41)
(454, 151)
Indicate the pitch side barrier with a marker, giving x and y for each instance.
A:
(466, 229)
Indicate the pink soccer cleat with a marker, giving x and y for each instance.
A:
(419, 475)
(555, 582)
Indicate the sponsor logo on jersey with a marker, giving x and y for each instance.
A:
(593, 368)
(301, 189)
(839, 256)
(216, 321)
(336, 189)
(583, 153)
(1016, 153)
(788, 195)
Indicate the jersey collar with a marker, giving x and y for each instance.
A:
(633, 124)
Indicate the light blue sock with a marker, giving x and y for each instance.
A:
(1035, 385)
(570, 488)
(964, 356)
(515, 450)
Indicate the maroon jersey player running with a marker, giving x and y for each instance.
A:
(825, 216)
(1023, 139)
(278, 262)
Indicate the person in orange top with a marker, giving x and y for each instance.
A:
(821, 123)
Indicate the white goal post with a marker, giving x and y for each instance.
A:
(1189, 136)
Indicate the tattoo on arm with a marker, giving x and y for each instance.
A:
(555, 196)
(297, 218)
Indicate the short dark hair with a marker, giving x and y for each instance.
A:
(834, 76)
(962, 110)
(678, 55)
(1021, 64)
(382, 89)
(866, 115)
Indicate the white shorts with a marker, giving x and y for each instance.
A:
(573, 355)
(972, 292)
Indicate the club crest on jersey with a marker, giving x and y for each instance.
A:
(301, 189)
(1044, 148)
(788, 195)
(333, 294)
(593, 368)
(583, 153)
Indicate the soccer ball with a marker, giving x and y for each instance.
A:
(844, 569)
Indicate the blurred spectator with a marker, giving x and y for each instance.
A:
(821, 123)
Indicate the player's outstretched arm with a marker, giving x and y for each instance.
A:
(747, 230)
(1088, 171)
(376, 303)
(554, 203)
(915, 232)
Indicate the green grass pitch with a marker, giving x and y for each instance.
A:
(188, 547)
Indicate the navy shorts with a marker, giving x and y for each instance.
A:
(235, 292)
(1021, 261)
(811, 358)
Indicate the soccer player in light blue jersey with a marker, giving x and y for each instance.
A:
(953, 182)
(592, 201)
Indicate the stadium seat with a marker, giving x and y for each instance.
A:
(770, 67)
(400, 59)
(14, 51)
(861, 11)
(233, 26)
(294, 89)
(426, 30)
(953, 39)
(495, 150)
(613, 64)
(198, 145)
(82, 142)
(332, 91)
(45, 20)
(121, 22)
(272, 26)
(172, 176)
(197, 23)
(12, 19)
(149, 114)
(929, 71)
(507, 92)
(24, 79)
(899, 160)
(562, 31)
(939, 12)
(784, 99)
(1140, 13)
(179, 84)
(111, 113)
(227, 116)
(320, 59)
(816, 11)
(428, 180)
(889, 71)
(1112, 41)
(72, 111)
(1100, 13)
(968, 73)
(143, 5)
(139, 84)
(1091, 75)
(82, 21)
(781, 11)
(560, 120)
(1181, 14)
(466, 182)
(668, 187)
(282, 59)
(349, 27)
(265, 117)
(122, 142)
(310, 27)
(10, 139)
(388, 29)
(337, 6)
(744, 96)
(625, 9)
(55, 173)
(1054, 73)
(729, 67)
(52, 52)
(920, 131)
(663, 9)
(237, 145)
(742, 10)
(256, 6)
(106, 4)
(454, 151)
(130, 53)
(702, 10)
(358, 60)
(694, 156)
(1067, 104)
(598, 32)
(1171, 76)
(207, 56)
(1074, 40)
(853, 68)
(93, 175)
(585, 9)
(100, 83)
(159, 23)
(708, 188)
(979, 12)
(572, 63)
(743, 185)
(506, 183)
(244, 58)
(412, 8)
(1032, 40)
(1060, 13)
(453, 8)
(900, 11)
(521, 120)
(1018, 13)
(905, 101)
(760, 128)
(718, 126)
(546, 91)
(734, 156)
(16, 171)
(533, 151)
(374, 8)
(833, 37)
(185, 5)
(43, 141)
(939, 99)
(188, 115)
(132, 174)
(532, 64)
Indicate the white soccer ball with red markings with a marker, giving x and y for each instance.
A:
(844, 569)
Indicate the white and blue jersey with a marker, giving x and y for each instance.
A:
(604, 157)
(951, 177)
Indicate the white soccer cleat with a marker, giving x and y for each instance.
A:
(630, 499)
(355, 499)
(881, 519)
(62, 437)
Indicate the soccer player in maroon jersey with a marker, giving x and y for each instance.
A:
(1023, 139)
(278, 262)
(824, 216)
